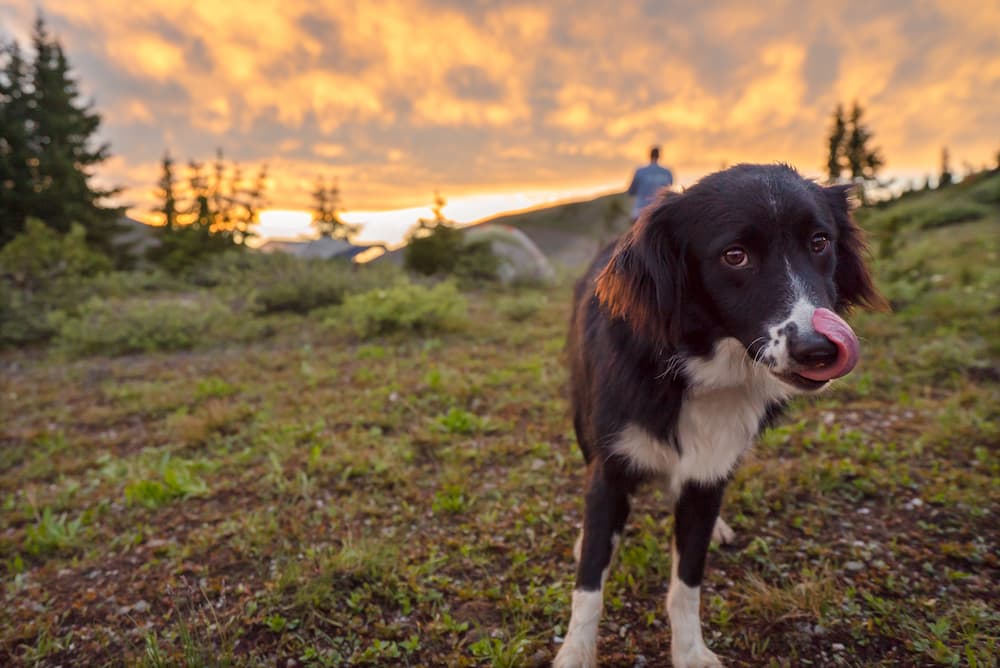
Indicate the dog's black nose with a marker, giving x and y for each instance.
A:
(812, 350)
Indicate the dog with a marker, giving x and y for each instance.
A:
(687, 338)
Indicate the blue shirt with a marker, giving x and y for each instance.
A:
(646, 183)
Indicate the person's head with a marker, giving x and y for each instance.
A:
(654, 154)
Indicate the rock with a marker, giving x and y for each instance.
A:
(520, 259)
(854, 566)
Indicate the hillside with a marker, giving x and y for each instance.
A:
(569, 234)
(232, 475)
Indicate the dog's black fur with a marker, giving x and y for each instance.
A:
(662, 296)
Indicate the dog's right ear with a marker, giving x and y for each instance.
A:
(643, 281)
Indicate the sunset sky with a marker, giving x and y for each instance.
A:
(502, 105)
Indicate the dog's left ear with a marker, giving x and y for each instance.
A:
(855, 286)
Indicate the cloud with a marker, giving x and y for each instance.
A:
(400, 99)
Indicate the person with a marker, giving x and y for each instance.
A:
(648, 181)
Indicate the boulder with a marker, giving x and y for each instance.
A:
(521, 261)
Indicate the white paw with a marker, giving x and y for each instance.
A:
(576, 654)
(722, 533)
(698, 656)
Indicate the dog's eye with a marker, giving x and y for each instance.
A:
(735, 257)
(819, 243)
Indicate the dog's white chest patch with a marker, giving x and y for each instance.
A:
(726, 400)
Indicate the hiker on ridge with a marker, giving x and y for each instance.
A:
(648, 181)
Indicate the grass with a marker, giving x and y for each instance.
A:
(413, 498)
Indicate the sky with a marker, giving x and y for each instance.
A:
(506, 105)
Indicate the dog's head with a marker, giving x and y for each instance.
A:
(755, 253)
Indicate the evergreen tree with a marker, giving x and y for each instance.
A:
(835, 148)
(326, 212)
(16, 174)
(946, 176)
(167, 193)
(862, 160)
(60, 129)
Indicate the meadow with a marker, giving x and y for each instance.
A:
(327, 466)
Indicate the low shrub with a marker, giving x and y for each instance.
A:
(951, 213)
(279, 282)
(442, 250)
(40, 255)
(23, 319)
(521, 307)
(40, 271)
(118, 327)
(304, 285)
(404, 307)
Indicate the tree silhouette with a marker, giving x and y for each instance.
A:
(167, 193)
(47, 156)
(208, 213)
(862, 160)
(326, 212)
(946, 176)
(835, 147)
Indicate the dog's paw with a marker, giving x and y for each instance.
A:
(698, 656)
(576, 653)
(722, 534)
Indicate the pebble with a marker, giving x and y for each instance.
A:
(141, 606)
(837, 647)
(854, 565)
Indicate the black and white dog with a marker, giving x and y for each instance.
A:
(687, 337)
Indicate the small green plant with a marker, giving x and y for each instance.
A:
(214, 387)
(459, 421)
(405, 307)
(277, 623)
(173, 479)
(451, 499)
(52, 533)
(500, 653)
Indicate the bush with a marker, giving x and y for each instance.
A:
(40, 255)
(405, 307)
(304, 285)
(442, 250)
(477, 262)
(432, 250)
(39, 270)
(182, 248)
(118, 327)
(279, 282)
(22, 319)
(522, 307)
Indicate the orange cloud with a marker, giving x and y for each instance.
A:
(399, 99)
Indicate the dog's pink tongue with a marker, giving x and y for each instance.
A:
(833, 327)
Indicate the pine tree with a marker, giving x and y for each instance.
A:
(835, 148)
(326, 212)
(16, 180)
(167, 193)
(862, 160)
(946, 176)
(61, 128)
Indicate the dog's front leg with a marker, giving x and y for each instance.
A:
(694, 519)
(607, 508)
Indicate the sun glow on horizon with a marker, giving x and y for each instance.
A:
(390, 226)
